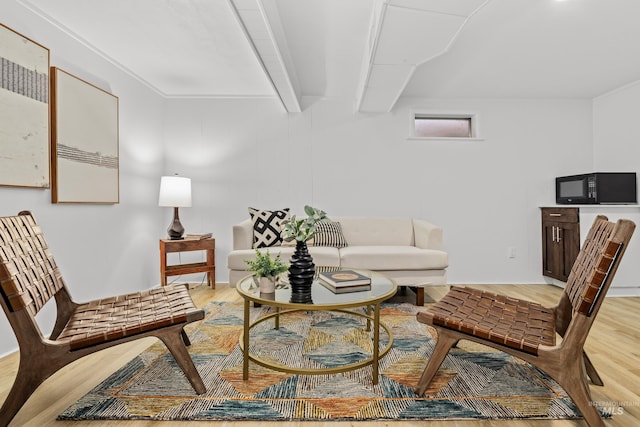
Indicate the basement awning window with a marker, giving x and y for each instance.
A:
(443, 126)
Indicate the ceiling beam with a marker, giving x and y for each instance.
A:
(260, 22)
(403, 35)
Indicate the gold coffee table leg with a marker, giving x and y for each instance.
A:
(376, 342)
(245, 341)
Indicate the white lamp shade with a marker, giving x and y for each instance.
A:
(175, 191)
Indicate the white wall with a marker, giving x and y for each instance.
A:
(615, 130)
(616, 148)
(101, 249)
(486, 194)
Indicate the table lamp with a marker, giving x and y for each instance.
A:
(175, 192)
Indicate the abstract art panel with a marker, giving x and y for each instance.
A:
(24, 111)
(84, 141)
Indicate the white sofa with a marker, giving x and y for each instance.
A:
(407, 250)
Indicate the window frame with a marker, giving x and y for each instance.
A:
(424, 114)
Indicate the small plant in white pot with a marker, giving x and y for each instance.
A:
(266, 270)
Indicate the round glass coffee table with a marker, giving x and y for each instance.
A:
(382, 288)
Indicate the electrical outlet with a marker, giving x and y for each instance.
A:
(511, 252)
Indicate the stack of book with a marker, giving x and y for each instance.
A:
(198, 236)
(343, 281)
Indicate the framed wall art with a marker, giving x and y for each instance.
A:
(24, 111)
(84, 141)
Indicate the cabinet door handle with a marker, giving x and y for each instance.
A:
(559, 229)
(553, 233)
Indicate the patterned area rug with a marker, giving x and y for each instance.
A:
(475, 382)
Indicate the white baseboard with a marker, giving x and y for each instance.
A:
(190, 284)
(8, 353)
(614, 291)
(624, 291)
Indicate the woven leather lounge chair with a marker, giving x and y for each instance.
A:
(528, 330)
(29, 278)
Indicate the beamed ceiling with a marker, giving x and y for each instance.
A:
(373, 51)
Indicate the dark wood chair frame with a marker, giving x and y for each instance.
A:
(29, 278)
(464, 314)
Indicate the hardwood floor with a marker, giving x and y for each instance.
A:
(613, 346)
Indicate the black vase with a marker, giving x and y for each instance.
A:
(301, 272)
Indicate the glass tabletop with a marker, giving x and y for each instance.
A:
(382, 287)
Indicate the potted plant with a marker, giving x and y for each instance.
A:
(267, 270)
(302, 269)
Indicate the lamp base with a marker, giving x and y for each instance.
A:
(175, 230)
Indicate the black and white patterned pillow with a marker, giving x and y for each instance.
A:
(267, 226)
(329, 233)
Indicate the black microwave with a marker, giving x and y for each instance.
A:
(597, 188)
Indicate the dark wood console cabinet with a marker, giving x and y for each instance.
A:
(560, 241)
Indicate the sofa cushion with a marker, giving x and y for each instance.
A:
(370, 231)
(322, 255)
(267, 226)
(329, 233)
(325, 256)
(393, 258)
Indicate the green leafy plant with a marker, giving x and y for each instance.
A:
(265, 266)
(303, 229)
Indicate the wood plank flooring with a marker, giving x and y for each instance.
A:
(613, 346)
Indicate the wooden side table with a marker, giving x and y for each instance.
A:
(187, 245)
